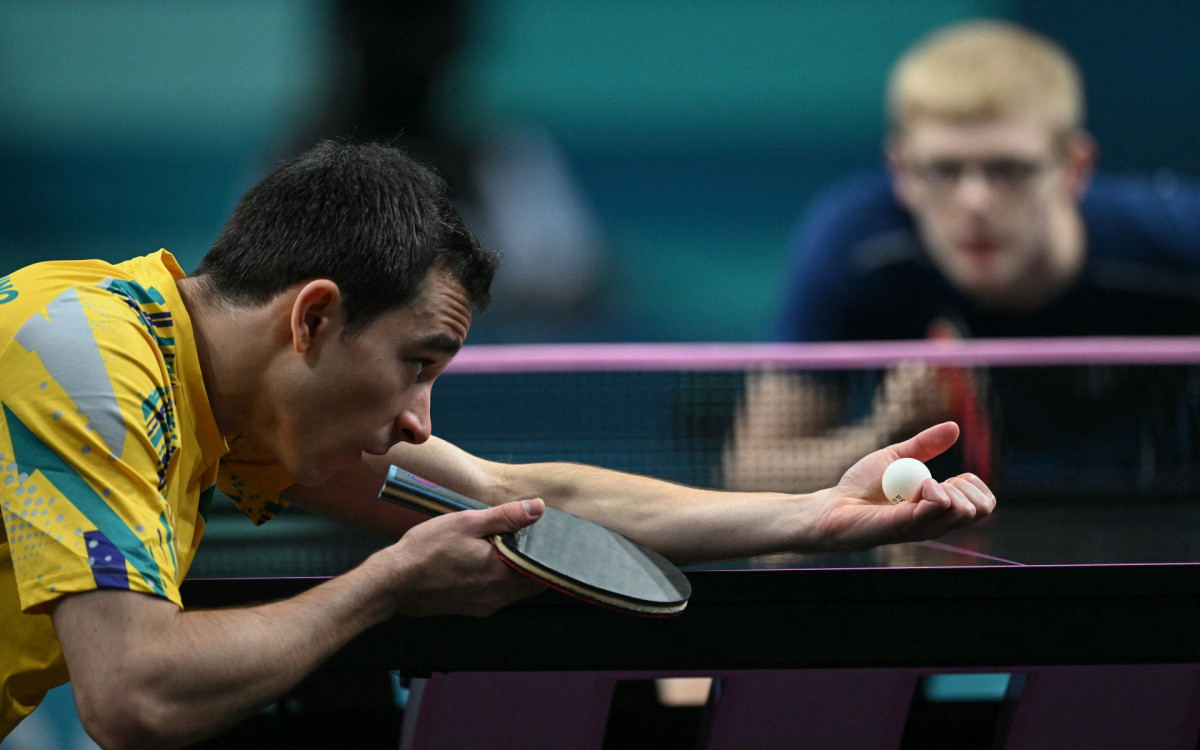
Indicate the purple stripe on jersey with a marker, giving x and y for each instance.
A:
(106, 561)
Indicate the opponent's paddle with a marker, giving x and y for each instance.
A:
(566, 552)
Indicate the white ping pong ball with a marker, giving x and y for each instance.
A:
(902, 478)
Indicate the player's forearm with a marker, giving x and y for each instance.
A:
(177, 676)
(683, 523)
(249, 657)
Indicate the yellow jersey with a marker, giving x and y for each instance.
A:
(109, 452)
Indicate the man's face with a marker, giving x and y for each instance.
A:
(368, 392)
(988, 197)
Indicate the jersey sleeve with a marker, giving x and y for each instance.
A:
(87, 435)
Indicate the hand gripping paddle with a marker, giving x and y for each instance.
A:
(565, 552)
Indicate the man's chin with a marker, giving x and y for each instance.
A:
(981, 280)
(993, 294)
(315, 476)
(339, 467)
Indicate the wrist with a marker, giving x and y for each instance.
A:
(383, 580)
(807, 523)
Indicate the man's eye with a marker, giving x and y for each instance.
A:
(943, 171)
(1009, 170)
(419, 368)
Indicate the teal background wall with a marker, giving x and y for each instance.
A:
(128, 126)
(697, 132)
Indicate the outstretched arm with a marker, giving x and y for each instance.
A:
(684, 523)
(690, 525)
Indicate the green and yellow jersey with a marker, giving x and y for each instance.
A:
(109, 451)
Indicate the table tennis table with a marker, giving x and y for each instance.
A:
(1093, 608)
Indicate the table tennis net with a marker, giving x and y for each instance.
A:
(1068, 416)
(1062, 420)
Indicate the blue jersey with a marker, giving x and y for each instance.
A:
(857, 251)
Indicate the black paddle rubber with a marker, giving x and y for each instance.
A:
(565, 552)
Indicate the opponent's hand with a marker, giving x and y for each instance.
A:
(911, 394)
(446, 565)
(856, 515)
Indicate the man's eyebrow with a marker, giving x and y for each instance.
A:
(440, 343)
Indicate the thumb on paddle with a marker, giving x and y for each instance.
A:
(510, 517)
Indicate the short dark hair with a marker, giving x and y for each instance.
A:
(364, 215)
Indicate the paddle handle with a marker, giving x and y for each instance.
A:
(411, 491)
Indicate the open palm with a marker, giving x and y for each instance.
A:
(856, 515)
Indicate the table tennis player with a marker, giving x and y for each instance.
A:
(988, 222)
(295, 366)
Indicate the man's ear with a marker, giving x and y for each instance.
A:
(1080, 162)
(316, 312)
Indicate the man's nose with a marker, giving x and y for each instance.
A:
(414, 424)
(975, 189)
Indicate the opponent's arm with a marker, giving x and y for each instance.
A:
(784, 435)
(147, 675)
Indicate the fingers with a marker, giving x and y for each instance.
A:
(447, 565)
(913, 386)
(507, 518)
(976, 492)
(509, 585)
(932, 492)
(929, 442)
(959, 500)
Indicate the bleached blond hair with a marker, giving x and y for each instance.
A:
(986, 69)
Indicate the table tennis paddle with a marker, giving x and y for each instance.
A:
(565, 552)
